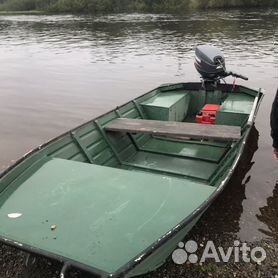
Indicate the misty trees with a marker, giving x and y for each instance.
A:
(108, 6)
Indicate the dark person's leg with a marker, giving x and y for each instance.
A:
(274, 125)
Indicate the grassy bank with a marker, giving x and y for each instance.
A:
(108, 6)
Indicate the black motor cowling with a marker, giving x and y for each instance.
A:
(210, 62)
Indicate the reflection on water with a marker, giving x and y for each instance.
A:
(59, 71)
(269, 215)
(223, 217)
(235, 193)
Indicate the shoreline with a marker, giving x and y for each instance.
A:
(21, 12)
(185, 12)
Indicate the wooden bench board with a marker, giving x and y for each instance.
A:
(168, 128)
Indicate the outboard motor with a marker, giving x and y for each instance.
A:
(210, 63)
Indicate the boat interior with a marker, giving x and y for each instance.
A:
(158, 133)
(161, 136)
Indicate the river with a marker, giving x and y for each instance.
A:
(58, 71)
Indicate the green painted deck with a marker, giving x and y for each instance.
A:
(103, 216)
(175, 165)
(186, 149)
(164, 100)
(238, 103)
(235, 110)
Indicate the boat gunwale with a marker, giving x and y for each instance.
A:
(125, 269)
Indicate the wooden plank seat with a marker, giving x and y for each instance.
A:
(168, 128)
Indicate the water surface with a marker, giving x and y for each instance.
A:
(58, 71)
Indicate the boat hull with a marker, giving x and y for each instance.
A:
(147, 189)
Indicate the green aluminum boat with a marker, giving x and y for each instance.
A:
(116, 195)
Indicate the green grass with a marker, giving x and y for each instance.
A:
(108, 6)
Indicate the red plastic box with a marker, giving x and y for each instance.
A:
(207, 115)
